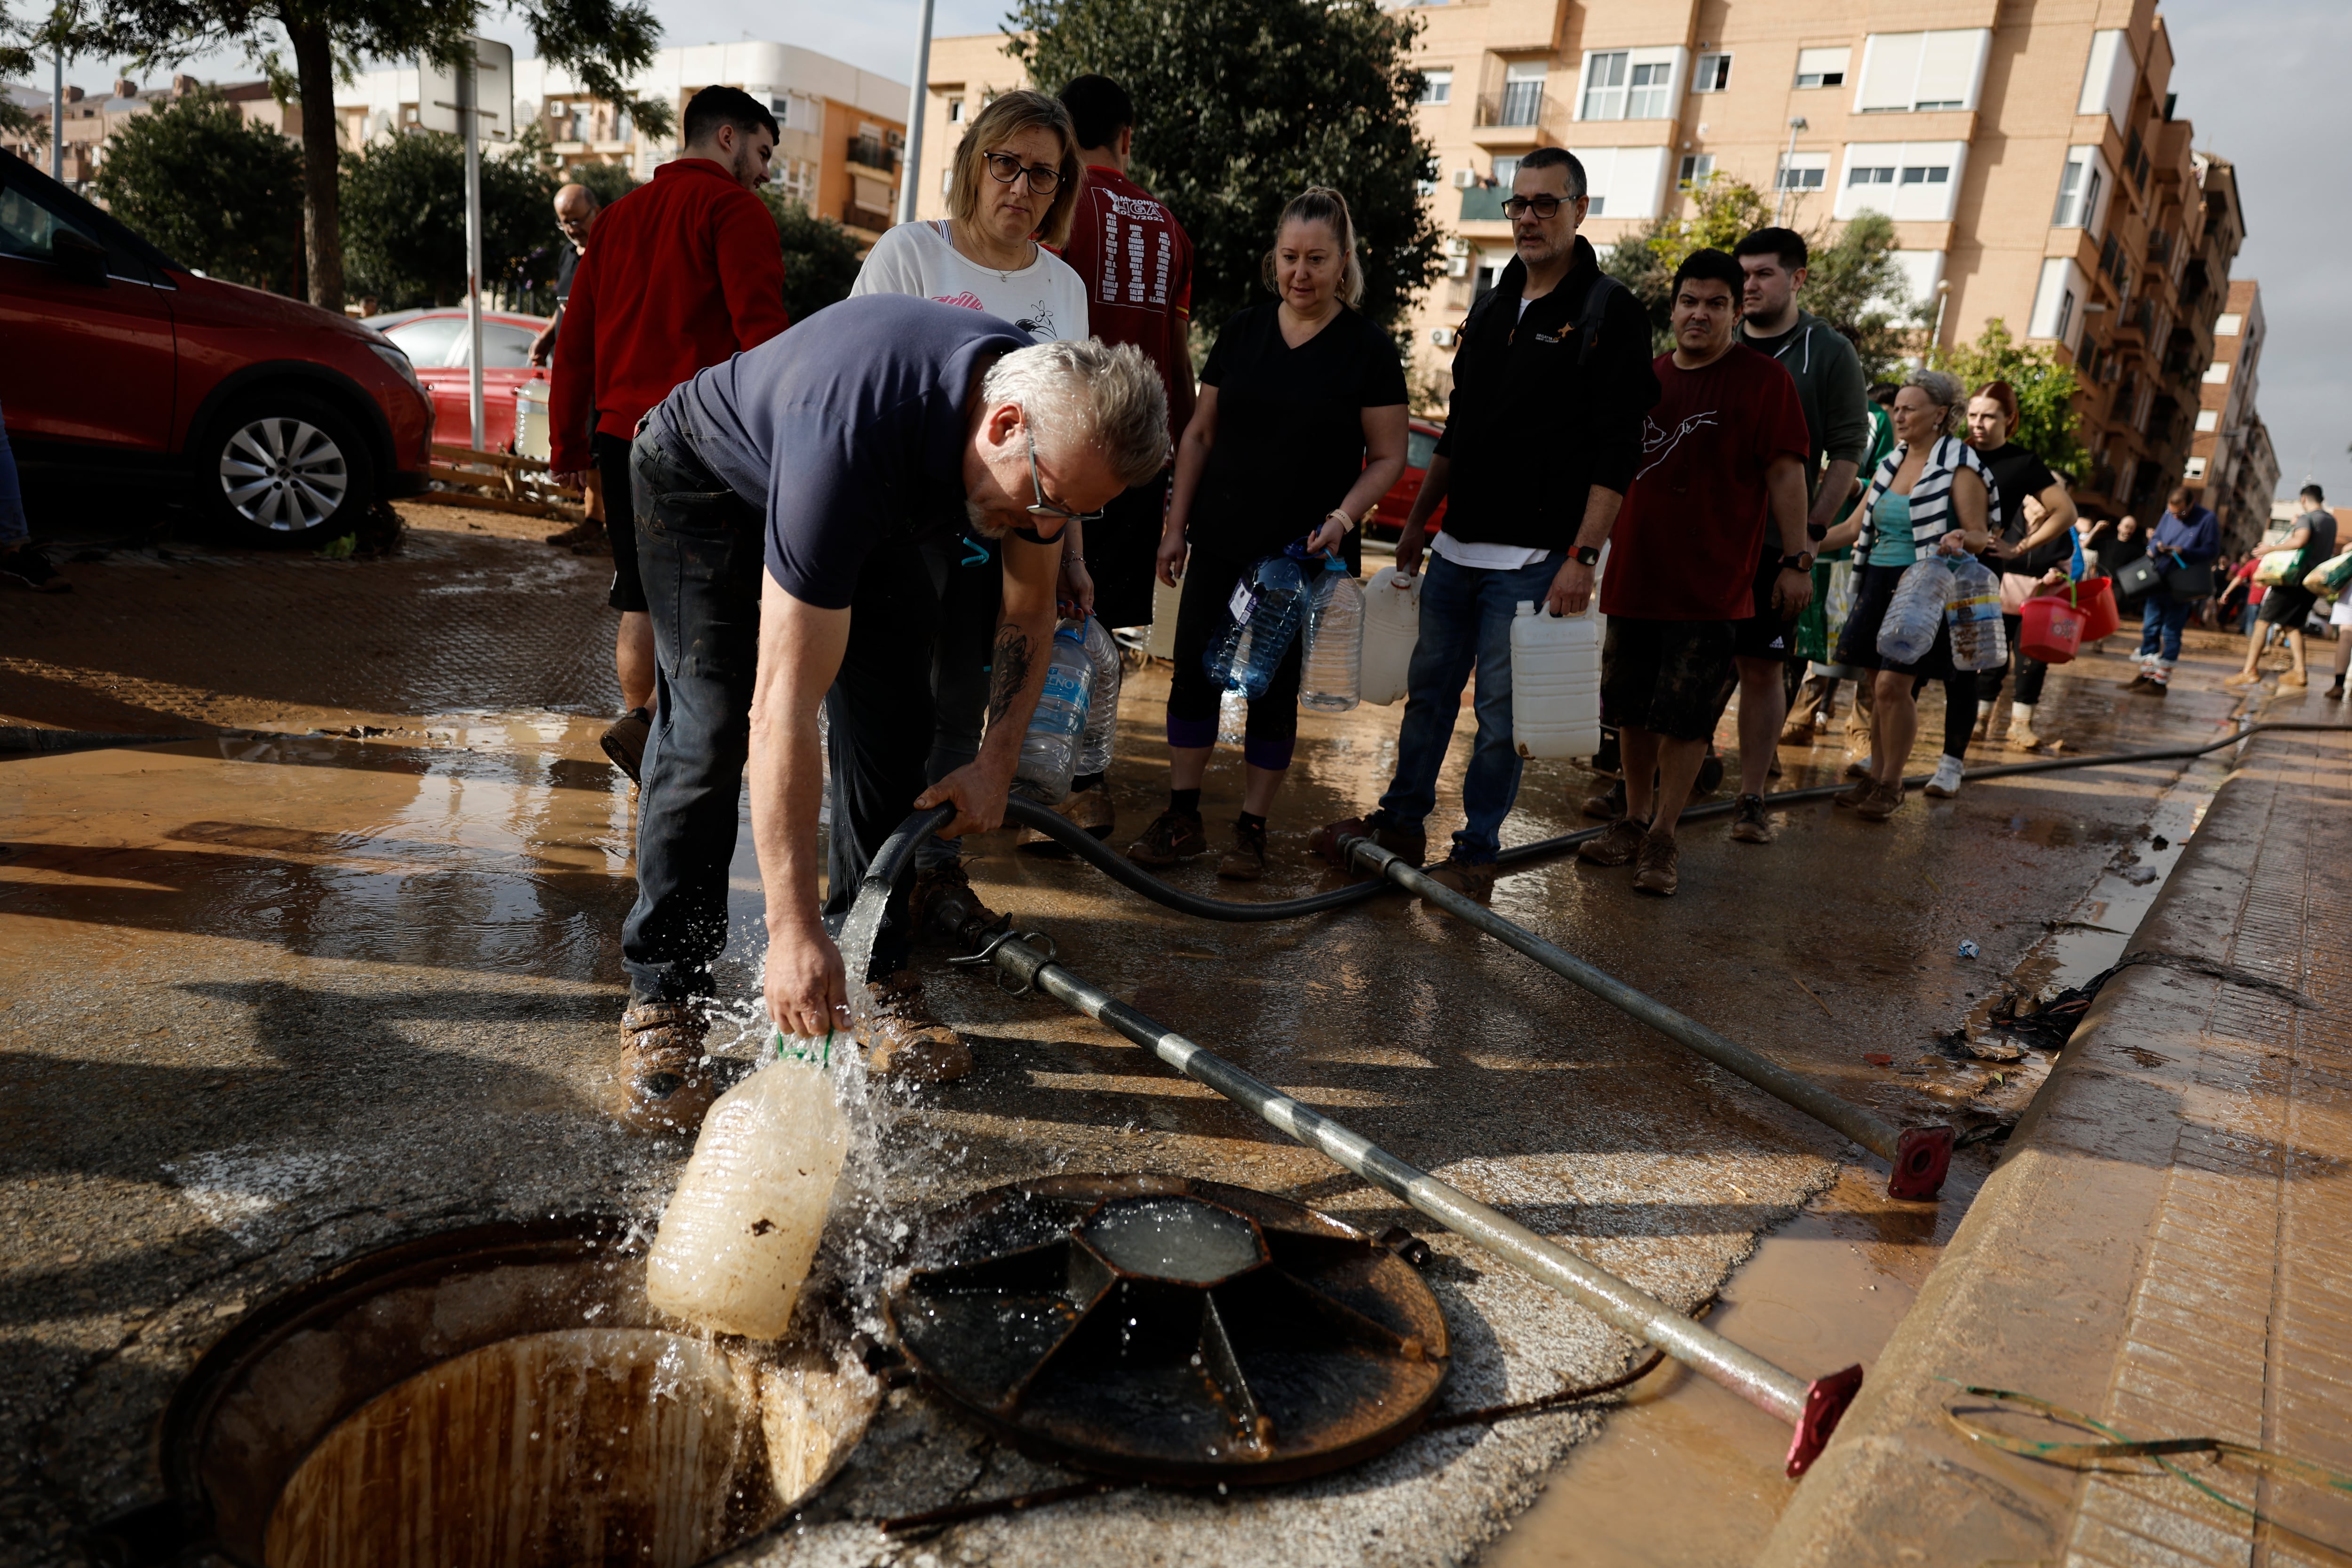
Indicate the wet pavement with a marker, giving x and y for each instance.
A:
(344, 970)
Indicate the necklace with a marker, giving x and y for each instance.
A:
(1004, 275)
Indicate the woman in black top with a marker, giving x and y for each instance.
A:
(1299, 428)
(2117, 545)
(2037, 551)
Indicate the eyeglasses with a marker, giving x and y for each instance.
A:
(1005, 168)
(1043, 507)
(1545, 207)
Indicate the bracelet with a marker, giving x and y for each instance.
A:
(1072, 558)
(1345, 521)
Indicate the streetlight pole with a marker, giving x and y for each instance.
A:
(917, 90)
(1788, 160)
(470, 126)
(57, 121)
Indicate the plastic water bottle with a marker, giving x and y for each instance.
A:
(1555, 683)
(1102, 700)
(1915, 613)
(1331, 679)
(1392, 627)
(1979, 641)
(737, 1241)
(1264, 611)
(1049, 751)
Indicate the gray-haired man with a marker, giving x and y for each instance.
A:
(780, 501)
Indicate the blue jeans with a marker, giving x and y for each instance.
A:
(1466, 623)
(2160, 622)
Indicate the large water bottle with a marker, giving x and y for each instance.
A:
(1331, 680)
(1972, 610)
(1102, 700)
(1049, 751)
(1915, 613)
(1262, 616)
(739, 1234)
(1391, 628)
(1555, 682)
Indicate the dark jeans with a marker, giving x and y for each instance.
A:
(2161, 624)
(968, 579)
(702, 552)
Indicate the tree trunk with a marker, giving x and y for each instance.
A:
(314, 69)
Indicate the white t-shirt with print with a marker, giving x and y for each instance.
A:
(1046, 299)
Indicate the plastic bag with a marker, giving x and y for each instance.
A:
(1972, 609)
(1915, 613)
(2330, 575)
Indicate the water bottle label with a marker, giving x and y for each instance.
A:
(1243, 604)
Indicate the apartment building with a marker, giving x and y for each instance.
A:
(90, 121)
(2230, 455)
(842, 130)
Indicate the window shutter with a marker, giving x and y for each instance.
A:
(1890, 70)
(1950, 65)
(1824, 62)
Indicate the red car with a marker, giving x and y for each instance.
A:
(436, 342)
(1391, 511)
(287, 421)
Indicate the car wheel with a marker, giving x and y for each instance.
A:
(287, 467)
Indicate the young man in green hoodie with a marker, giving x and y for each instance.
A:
(1830, 389)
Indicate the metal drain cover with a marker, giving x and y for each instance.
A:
(1171, 1330)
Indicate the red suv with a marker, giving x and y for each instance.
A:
(285, 420)
(1391, 511)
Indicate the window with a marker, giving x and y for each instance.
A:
(1629, 84)
(955, 111)
(1927, 174)
(503, 347)
(2228, 324)
(2217, 374)
(1646, 98)
(1802, 172)
(1624, 182)
(1902, 72)
(1419, 447)
(1697, 169)
(1605, 86)
(1713, 74)
(1870, 176)
(2208, 420)
(433, 342)
(2107, 77)
(1437, 87)
(1523, 85)
(2196, 469)
(1907, 180)
(2082, 186)
(1822, 68)
(2057, 302)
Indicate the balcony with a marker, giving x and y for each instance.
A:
(1484, 203)
(1515, 117)
(870, 153)
(868, 218)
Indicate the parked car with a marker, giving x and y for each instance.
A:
(1391, 511)
(436, 342)
(282, 420)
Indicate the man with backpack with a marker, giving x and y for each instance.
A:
(1551, 381)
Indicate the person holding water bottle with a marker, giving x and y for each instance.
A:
(1299, 428)
(1543, 432)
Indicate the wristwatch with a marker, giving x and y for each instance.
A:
(1801, 561)
(1588, 555)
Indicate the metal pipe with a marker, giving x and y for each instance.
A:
(918, 96)
(1812, 1408)
(469, 123)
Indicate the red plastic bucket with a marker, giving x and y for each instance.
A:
(2094, 599)
(2049, 629)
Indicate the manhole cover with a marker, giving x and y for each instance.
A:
(1171, 1330)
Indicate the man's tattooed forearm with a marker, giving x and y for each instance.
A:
(1008, 671)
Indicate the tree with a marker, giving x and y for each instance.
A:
(403, 219)
(1724, 211)
(1240, 105)
(601, 42)
(609, 182)
(2044, 388)
(219, 195)
(820, 255)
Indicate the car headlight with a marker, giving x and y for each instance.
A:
(398, 360)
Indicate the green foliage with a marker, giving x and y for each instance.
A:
(1240, 104)
(820, 255)
(1727, 210)
(610, 182)
(403, 209)
(212, 192)
(2044, 388)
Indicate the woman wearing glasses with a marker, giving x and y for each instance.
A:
(1316, 435)
(1013, 188)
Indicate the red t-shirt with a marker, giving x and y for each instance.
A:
(1689, 537)
(1137, 268)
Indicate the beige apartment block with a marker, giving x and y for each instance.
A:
(2230, 455)
(90, 122)
(965, 73)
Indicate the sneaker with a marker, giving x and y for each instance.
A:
(1410, 845)
(1859, 769)
(2139, 682)
(1245, 861)
(947, 911)
(625, 743)
(1608, 806)
(901, 1037)
(1886, 800)
(1747, 824)
(1861, 790)
(1174, 837)
(1947, 782)
(1983, 724)
(28, 567)
(1658, 869)
(2243, 677)
(1619, 845)
(1472, 881)
(661, 1079)
(2023, 735)
(1089, 810)
(2160, 686)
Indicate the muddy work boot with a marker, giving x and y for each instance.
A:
(1657, 866)
(1748, 822)
(948, 913)
(1090, 811)
(1245, 861)
(1608, 806)
(661, 1079)
(901, 1037)
(1410, 845)
(625, 743)
(1885, 800)
(1174, 837)
(1615, 847)
(1472, 880)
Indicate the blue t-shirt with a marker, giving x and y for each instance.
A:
(847, 432)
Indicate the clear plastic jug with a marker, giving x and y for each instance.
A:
(1049, 751)
(1916, 612)
(1330, 680)
(1555, 683)
(1262, 616)
(1102, 700)
(1392, 627)
(1972, 609)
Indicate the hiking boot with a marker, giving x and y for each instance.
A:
(1859, 768)
(1608, 806)
(1658, 868)
(2023, 736)
(1619, 845)
(902, 1040)
(1089, 810)
(1472, 881)
(1245, 861)
(1410, 845)
(1174, 837)
(28, 567)
(1747, 824)
(1886, 800)
(625, 743)
(1855, 794)
(661, 1079)
(1947, 782)
(948, 913)
(2159, 686)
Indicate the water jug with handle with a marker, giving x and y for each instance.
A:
(1392, 627)
(1329, 679)
(1972, 610)
(2050, 629)
(1262, 616)
(1102, 700)
(1915, 613)
(1049, 750)
(1555, 683)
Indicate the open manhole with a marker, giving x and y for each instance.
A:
(1171, 1330)
(497, 1394)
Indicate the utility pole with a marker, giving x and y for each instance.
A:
(1788, 160)
(57, 121)
(471, 129)
(918, 91)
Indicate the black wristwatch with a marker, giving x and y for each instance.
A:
(1801, 561)
(1588, 555)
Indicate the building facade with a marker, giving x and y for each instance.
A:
(91, 120)
(2230, 455)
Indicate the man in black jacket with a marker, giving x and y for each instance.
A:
(1550, 382)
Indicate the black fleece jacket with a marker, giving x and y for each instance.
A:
(1536, 421)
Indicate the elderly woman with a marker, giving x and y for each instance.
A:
(1931, 496)
(1299, 429)
(2034, 555)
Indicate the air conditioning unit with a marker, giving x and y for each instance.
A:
(1444, 337)
(1457, 246)
(1465, 178)
(1457, 267)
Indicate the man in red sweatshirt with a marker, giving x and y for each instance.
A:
(679, 275)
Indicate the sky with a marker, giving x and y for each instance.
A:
(2257, 78)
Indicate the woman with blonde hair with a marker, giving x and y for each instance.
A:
(1299, 428)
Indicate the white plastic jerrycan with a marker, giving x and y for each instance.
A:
(740, 1232)
(1555, 683)
(1391, 626)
